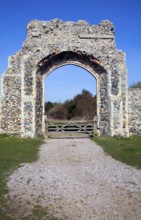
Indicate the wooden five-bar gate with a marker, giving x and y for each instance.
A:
(70, 128)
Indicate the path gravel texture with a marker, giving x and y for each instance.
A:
(76, 180)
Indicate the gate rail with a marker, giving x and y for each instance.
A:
(60, 127)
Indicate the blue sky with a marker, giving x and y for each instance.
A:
(125, 14)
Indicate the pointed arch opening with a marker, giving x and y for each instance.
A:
(90, 64)
(70, 93)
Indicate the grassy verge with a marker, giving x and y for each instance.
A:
(126, 150)
(13, 152)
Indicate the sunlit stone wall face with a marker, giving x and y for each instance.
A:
(49, 45)
(134, 111)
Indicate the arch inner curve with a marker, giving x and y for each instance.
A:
(56, 60)
(53, 61)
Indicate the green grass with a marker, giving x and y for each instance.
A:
(40, 213)
(13, 152)
(126, 150)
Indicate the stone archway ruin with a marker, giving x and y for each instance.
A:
(49, 45)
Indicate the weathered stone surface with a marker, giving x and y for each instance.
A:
(49, 45)
(28, 116)
(11, 105)
(134, 100)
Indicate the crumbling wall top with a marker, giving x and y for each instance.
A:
(37, 26)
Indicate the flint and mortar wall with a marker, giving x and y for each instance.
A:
(50, 44)
(10, 118)
(134, 100)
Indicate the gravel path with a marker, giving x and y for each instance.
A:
(76, 180)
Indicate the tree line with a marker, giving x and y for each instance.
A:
(136, 85)
(82, 106)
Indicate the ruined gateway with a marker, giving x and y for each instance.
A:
(52, 44)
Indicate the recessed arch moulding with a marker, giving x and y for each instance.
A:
(49, 45)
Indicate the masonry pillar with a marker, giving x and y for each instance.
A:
(28, 98)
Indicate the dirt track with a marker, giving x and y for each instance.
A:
(76, 180)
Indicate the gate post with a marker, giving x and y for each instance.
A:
(95, 126)
(46, 125)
